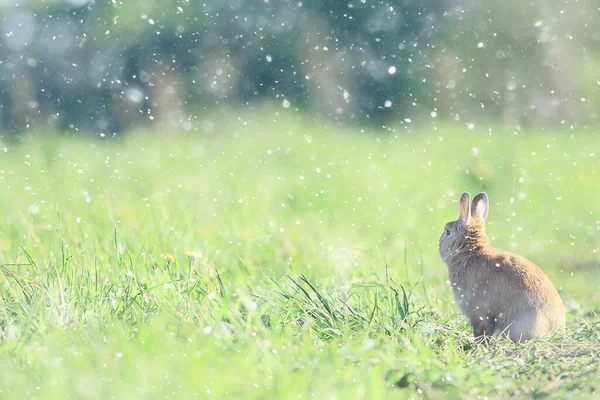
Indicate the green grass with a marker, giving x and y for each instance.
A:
(283, 258)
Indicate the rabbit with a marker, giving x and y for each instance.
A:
(498, 292)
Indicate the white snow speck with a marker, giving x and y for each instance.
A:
(387, 104)
(392, 70)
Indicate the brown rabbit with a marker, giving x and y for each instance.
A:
(497, 291)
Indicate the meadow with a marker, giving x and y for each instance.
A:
(274, 256)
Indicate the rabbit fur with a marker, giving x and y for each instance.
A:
(498, 292)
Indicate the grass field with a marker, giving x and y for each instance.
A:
(282, 258)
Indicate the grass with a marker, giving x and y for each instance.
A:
(284, 258)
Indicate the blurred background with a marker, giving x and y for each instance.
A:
(170, 165)
(106, 66)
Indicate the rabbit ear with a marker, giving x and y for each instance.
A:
(480, 206)
(464, 213)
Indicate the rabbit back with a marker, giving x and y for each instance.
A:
(499, 291)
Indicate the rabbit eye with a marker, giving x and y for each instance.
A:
(447, 232)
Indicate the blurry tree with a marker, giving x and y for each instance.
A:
(382, 49)
(108, 65)
(520, 61)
